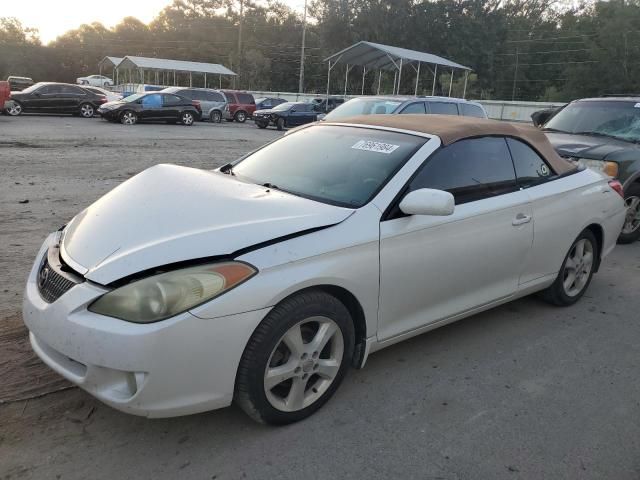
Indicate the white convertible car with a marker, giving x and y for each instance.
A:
(183, 290)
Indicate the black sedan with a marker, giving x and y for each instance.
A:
(290, 114)
(151, 106)
(48, 97)
(269, 102)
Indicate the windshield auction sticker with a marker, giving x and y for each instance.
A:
(371, 146)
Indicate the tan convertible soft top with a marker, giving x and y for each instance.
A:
(451, 128)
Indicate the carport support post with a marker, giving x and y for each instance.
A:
(326, 107)
(379, 79)
(190, 79)
(435, 75)
(205, 80)
(466, 77)
(174, 78)
(451, 83)
(395, 77)
(346, 77)
(399, 77)
(220, 81)
(364, 72)
(417, 79)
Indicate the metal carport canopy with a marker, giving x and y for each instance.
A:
(376, 56)
(146, 63)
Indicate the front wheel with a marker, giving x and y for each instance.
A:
(295, 359)
(129, 118)
(240, 117)
(261, 125)
(15, 109)
(280, 124)
(187, 118)
(576, 272)
(87, 110)
(631, 228)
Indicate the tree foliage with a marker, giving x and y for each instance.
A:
(520, 49)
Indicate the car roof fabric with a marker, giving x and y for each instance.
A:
(450, 129)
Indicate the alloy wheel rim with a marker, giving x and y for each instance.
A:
(632, 219)
(577, 268)
(15, 109)
(241, 117)
(87, 111)
(129, 118)
(303, 364)
(187, 119)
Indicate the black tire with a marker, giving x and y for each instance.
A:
(557, 294)
(261, 125)
(280, 124)
(15, 110)
(128, 117)
(632, 193)
(215, 116)
(187, 119)
(240, 116)
(87, 110)
(250, 391)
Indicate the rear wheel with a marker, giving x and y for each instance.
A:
(215, 117)
(87, 110)
(296, 358)
(631, 228)
(15, 109)
(187, 118)
(576, 272)
(128, 118)
(280, 124)
(240, 116)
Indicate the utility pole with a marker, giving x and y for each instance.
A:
(240, 41)
(515, 75)
(304, 33)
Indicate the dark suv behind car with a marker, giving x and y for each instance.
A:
(241, 105)
(604, 134)
(212, 102)
(56, 98)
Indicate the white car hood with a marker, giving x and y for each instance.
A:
(168, 214)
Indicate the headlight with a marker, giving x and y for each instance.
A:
(167, 294)
(608, 168)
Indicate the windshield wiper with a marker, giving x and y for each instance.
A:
(270, 185)
(548, 129)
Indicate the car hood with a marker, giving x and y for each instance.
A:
(264, 111)
(168, 214)
(112, 104)
(586, 146)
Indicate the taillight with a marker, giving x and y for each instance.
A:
(617, 186)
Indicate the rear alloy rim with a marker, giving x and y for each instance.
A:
(632, 220)
(215, 117)
(15, 109)
(129, 118)
(241, 117)
(86, 111)
(187, 119)
(578, 267)
(304, 364)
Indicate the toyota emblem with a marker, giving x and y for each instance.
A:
(43, 276)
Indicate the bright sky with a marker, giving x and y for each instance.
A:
(54, 17)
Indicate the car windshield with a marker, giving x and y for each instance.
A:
(362, 106)
(283, 106)
(338, 165)
(615, 119)
(134, 97)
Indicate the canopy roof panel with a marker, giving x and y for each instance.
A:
(177, 65)
(376, 56)
(110, 62)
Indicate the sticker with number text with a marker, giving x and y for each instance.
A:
(371, 146)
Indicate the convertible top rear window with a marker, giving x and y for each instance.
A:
(339, 165)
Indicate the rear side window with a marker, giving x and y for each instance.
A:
(471, 170)
(71, 90)
(172, 100)
(414, 108)
(51, 89)
(213, 97)
(469, 110)
(190, 94)
(245, 98)
(443, 108)
(231, 97)
(531, 169)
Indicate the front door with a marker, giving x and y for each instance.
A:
(433, 268)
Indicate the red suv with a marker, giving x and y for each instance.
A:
(5, 94)
(241, 105)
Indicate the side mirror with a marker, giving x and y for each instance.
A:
(427, 201)
(541, 117)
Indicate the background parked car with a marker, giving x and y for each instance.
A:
(289, 114)
(5, 95)
(111, 96)
(95, 80)
(602, 134)
(322, 105)
(48, 97)
(405, 105)
(241, 105)
(152, 106)
(19, 83)
(269, 102)
(212, 102)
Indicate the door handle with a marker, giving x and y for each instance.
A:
(521, 219)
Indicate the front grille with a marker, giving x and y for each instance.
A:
(51, 283)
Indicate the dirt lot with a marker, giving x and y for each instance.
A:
(523, 391)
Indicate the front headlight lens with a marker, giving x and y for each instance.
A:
(608, 168)
(167, 294)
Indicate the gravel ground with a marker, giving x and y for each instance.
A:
(524, 391)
